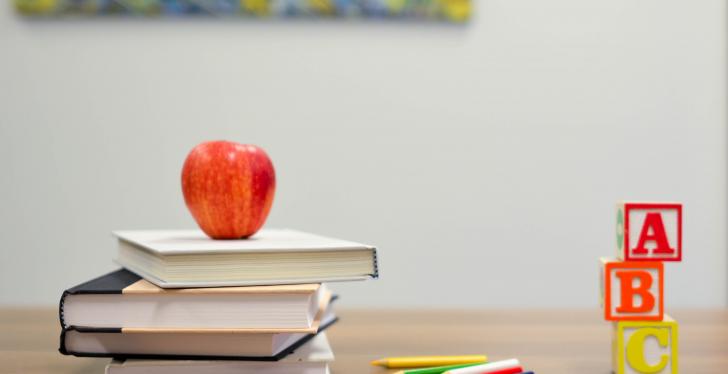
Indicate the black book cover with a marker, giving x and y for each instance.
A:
(292, 348)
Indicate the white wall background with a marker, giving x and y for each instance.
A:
(485, 161)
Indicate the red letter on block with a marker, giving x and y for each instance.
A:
(653, 231)
(649, 231)
(633, 291)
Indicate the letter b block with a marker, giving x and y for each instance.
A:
(632, 291)
(649, 231)
(645, 347)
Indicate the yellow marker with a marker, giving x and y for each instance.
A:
(427, 361)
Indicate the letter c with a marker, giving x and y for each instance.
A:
(636, 347)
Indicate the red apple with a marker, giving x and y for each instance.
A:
(228, 188)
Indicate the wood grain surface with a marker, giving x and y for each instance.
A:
(546, 341)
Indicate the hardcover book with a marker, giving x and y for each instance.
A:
(311, 358)
(123, 300)
(186, 345)
(188, 258)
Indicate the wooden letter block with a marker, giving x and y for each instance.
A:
(632, 291)
(645, 347)
(649, 231)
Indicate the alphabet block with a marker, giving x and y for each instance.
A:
(649, 231)
(645, 347)
(632, 291)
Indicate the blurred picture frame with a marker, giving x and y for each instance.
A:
(456, 11)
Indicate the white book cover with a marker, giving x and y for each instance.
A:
(174, 242)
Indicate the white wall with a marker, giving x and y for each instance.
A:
(485, 161)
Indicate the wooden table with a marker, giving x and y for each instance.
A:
(547, 341)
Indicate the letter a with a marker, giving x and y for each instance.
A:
(653, 230)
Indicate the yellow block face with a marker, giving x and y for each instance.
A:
(646, 347)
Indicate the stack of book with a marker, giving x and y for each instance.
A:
(185, 303)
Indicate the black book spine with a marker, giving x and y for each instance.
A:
(111, 283)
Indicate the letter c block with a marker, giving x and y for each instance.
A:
(645, 347)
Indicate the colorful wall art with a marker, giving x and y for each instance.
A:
(444, 10)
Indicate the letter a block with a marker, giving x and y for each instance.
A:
(632, 291)
(645, 347)
(649, 231)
